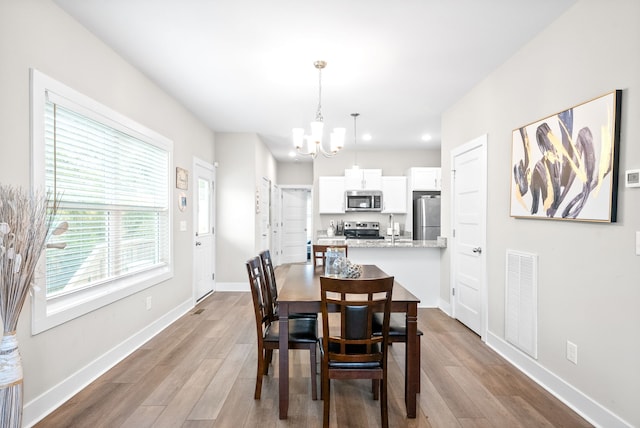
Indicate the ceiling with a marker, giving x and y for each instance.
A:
(247, 65)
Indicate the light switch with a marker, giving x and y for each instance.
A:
(183, 225)
(637, 243)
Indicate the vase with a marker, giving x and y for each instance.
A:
(11, 382)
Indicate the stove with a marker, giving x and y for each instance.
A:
(362, 230)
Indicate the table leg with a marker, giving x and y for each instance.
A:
(283, 359)
(412, 362)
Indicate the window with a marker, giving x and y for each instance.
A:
(113, 178)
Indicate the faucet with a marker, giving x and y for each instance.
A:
(393, 234)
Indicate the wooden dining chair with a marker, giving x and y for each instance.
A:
(303, 332)
(319, 255)
(270, 277)
(349, 348)
(397, 333)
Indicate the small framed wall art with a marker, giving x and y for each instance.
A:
(182, 178)
(565, 166)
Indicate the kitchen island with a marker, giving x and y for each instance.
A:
(415, 264)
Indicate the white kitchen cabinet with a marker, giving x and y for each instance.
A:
(394, 194)
(425, 178)
(331, 195)
(362, 179)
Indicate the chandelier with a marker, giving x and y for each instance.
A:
(314, 140)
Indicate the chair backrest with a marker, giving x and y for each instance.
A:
(270, 277)
(320, 253)
(350, 337)
(262, 305)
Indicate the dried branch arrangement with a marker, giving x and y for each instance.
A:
(25, 222)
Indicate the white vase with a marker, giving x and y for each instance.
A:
(11, 383)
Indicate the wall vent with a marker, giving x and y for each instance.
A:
(521, 314)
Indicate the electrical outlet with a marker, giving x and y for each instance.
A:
(148, 302)
(572, 352)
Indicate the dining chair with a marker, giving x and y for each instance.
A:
(349, 348)
(303, 332)
(320, 253)
(270, 277)
(397, 332)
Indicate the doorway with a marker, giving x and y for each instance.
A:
(204, 229)
(295, 224)
(468, 255)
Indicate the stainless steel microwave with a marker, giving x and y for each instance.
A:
(363, 200)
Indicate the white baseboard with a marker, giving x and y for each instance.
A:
(232, 286)
(586, 407)
(445, 307)
(41, 406)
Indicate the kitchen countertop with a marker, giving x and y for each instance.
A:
(382, 243)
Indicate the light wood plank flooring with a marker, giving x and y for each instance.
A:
(200, 372)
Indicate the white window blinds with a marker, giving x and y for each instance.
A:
(114, 195)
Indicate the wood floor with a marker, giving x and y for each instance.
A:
(200, 372)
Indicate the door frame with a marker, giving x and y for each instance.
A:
(478, 142)
(212, 167)
(283, 188)
(275, 245)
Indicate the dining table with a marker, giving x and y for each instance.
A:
(300, 292)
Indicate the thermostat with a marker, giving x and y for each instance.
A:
(632, 178)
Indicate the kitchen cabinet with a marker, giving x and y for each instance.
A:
(425, 178)
(394, 195)
(331, 195)
(362, 179)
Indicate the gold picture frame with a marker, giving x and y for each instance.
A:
(565, 166)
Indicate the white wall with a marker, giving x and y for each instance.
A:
(36, 33)
(295, 173)
(589, 277)
(243, 160)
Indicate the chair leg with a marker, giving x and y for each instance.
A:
(314, 384)
(268, 356)
(259, 374)
(375, 387)
(384, 411)
(326, 396)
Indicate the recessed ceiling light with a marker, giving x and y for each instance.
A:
(426, 137)
(366, 137)
(292, 154)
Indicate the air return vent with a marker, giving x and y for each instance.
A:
(521, 323)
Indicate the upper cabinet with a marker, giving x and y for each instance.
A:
(362, 179)
(394, 195)
(331, 195)
(425, 178)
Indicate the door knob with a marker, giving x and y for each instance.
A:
(477, 250)
(198, 243)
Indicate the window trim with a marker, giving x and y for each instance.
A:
(46, 314)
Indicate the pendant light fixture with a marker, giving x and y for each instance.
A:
(314, 139)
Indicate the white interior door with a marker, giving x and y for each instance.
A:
(468, 259)
(294, 225)
(204, 228)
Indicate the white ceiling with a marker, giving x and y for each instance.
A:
(247, 65)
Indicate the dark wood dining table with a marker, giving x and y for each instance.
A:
(301, 293)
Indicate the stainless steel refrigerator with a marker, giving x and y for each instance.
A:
(426, 217)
